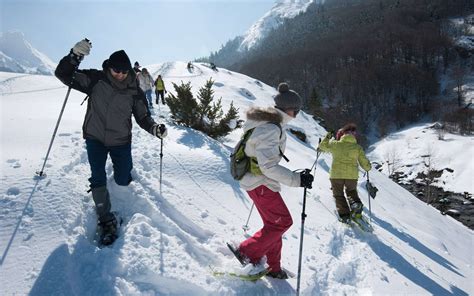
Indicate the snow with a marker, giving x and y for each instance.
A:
(410, 149)
(283, 9)
(169, 239)
(18, 55)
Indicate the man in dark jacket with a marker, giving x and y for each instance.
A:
(114, 96)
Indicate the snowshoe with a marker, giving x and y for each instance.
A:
(362, 222)
(241, 275)
(108, 231)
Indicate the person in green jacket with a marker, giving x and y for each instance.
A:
(347, 155)
(160, 90)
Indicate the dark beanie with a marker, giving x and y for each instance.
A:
(119, 60)
(287, 99)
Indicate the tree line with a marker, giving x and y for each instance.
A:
(367, 61)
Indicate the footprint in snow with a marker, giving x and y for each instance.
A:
(345, 274)
(13, 191)
(15, 163)
(247, 94)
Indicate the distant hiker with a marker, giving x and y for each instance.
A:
(190, 66)
(114, 96)
(146, 84)
(160, 90)
(265, 147)
(136, 68)
(213, 66)
(346, 156)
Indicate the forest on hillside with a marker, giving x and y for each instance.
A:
(368, 61)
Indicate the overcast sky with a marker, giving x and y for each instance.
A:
(149, 31)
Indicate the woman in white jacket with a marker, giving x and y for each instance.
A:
(146, 84)
(266, 145)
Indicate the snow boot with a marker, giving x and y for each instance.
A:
(345, 218)
(242, 258)
(356, 208)
(101, 198)
(281, 275)
(109, 230)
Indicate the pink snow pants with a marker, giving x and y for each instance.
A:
(276, 221)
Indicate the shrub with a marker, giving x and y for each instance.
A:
(203, 113)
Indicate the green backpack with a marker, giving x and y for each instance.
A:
(240, 163)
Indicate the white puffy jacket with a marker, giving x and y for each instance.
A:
(265, 144)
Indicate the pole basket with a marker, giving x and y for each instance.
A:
(40, 175)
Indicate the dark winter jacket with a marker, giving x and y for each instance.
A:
(109, 109)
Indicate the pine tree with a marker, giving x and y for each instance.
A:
(315, 101)
(183, 106)
(202, 114)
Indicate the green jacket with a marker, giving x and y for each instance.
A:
(346, 155)
(159, 84)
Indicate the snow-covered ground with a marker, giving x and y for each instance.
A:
(168, 240)
(418, 148)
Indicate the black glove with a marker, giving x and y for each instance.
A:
(159, 130)
(306, 179)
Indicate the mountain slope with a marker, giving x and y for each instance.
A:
(283, 9)
(18, 55)
(169, 238)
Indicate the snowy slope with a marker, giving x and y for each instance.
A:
(18, 55)
(414, 147)
(169, 239)
(283, 9)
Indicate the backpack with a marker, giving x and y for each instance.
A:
(240, 163)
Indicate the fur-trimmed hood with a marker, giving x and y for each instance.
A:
(269, 114)
(259, 115)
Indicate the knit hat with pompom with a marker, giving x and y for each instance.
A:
(287, 99)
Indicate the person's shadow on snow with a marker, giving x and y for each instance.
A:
(405, 268)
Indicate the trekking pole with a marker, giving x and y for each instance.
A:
(318, 152)
(41, 173)
(303, 217)
(161, 163)
(246, 226)
(370, 208)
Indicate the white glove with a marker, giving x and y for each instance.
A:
(82, 48)
(159, 130)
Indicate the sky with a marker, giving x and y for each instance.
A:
(149, 31)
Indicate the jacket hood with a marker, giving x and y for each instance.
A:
(264, 114)
(258, 115)
(348, 138)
